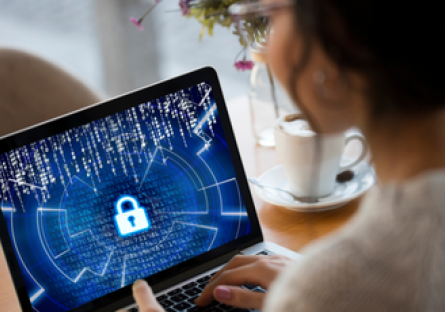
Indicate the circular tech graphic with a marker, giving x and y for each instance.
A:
(94, 208)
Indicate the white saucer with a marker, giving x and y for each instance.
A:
(364, 178)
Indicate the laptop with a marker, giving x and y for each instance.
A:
(148, 185)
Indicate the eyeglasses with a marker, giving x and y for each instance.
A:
(252, 20)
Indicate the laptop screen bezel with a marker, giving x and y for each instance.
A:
(110, 107)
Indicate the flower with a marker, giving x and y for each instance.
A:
(216, 12)
(185, 7)
(243, 65)
(137, 23)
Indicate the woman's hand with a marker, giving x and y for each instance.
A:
(225, 286)
(143, 295)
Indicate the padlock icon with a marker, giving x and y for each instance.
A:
(131, 221)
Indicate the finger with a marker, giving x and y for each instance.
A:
(238, 260)
(144, 297)
(250, 274)
(239, 297)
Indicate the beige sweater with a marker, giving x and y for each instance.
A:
(390, 257)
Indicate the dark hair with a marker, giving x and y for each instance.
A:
(397, 46)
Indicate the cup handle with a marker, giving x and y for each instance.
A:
(361, 138)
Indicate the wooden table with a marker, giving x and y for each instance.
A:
(291, 229)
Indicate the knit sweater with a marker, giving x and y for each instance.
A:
(390, 256)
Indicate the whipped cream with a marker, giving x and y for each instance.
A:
(295, 126)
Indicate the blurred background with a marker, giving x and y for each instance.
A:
(95, 41)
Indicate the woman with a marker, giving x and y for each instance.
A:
(377, 65)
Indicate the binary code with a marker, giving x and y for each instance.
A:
(59, 198)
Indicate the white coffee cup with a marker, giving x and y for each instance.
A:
(311, 161)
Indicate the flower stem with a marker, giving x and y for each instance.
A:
(239, 53)
(148, 12)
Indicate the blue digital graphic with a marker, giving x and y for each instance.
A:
(60, 198)
(132, 221)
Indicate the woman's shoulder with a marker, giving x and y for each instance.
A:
(327, 278)
(376, 260)
(343, 273)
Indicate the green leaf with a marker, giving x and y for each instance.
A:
(203, 29)
(211, 27)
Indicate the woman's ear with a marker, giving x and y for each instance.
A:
(327, 93)
(330, 84)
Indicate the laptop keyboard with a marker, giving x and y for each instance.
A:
(183, 298)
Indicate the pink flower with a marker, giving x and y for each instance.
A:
(185, 7)
(137, 23)
(244, 65)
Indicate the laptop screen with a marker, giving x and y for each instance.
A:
(94, 208)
